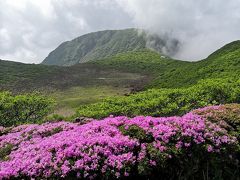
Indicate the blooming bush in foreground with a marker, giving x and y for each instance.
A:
(119, 147)
(227, 116)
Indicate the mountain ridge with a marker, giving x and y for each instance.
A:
(95, 45)
(156, 70)
(107, 43)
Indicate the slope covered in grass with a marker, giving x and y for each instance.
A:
(224, 63)
(166, 102)
(19, 77)
(96, 45)
(169, 73)
(103, 44)
(163, 71)
(124, 72)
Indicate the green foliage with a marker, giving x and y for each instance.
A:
(52, 132)
(143, 62)
(55, 117)
(136, 132)
(165, 72)
(5, 151)
(13, 72)
(138, 68)
(19, 77)
(167, 102)
(27, 108)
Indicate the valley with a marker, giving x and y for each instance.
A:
(119, 75)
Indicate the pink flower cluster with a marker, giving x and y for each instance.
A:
(99, 147)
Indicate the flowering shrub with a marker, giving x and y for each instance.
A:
(119, 147)
(227, 116)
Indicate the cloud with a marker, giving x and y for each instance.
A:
(201, 26)
(29, 30)
(189, 29)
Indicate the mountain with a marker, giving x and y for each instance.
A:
(136, 69)
(97, 45)
(120, 74)
(103, 44)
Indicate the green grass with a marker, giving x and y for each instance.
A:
(68, 100)
(136, 69)
(168, 73)
(19, 77)
(166, 102)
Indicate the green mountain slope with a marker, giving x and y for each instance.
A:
(96, 45)
(12, 73)
(104, 44)
(216, 81)
(123, 73)
(161, 70)
(223, 63)
(169, 73)
(19, 77)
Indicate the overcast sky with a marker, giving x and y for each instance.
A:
(30, 29)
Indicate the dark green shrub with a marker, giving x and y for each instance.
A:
(166, 102)
(54, 117)
(27, 108)
(5, 151)
(136, 132)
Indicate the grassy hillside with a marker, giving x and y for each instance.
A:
(70, 86)
(118, 75)
(223, 63)
(160, 68)
(12, 72)
(19, 77)
(108, 43)
(166, 102)
(169, 73)
(96, 45)
(117, 70)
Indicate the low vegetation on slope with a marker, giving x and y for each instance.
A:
(124, 69)
(187, 147)
(168, 73)
(19, 77)
(13, 72)
(167, 102)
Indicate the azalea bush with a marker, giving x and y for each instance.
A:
(166, 102)
(227, 116)
(184, 147)
(25, 108)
